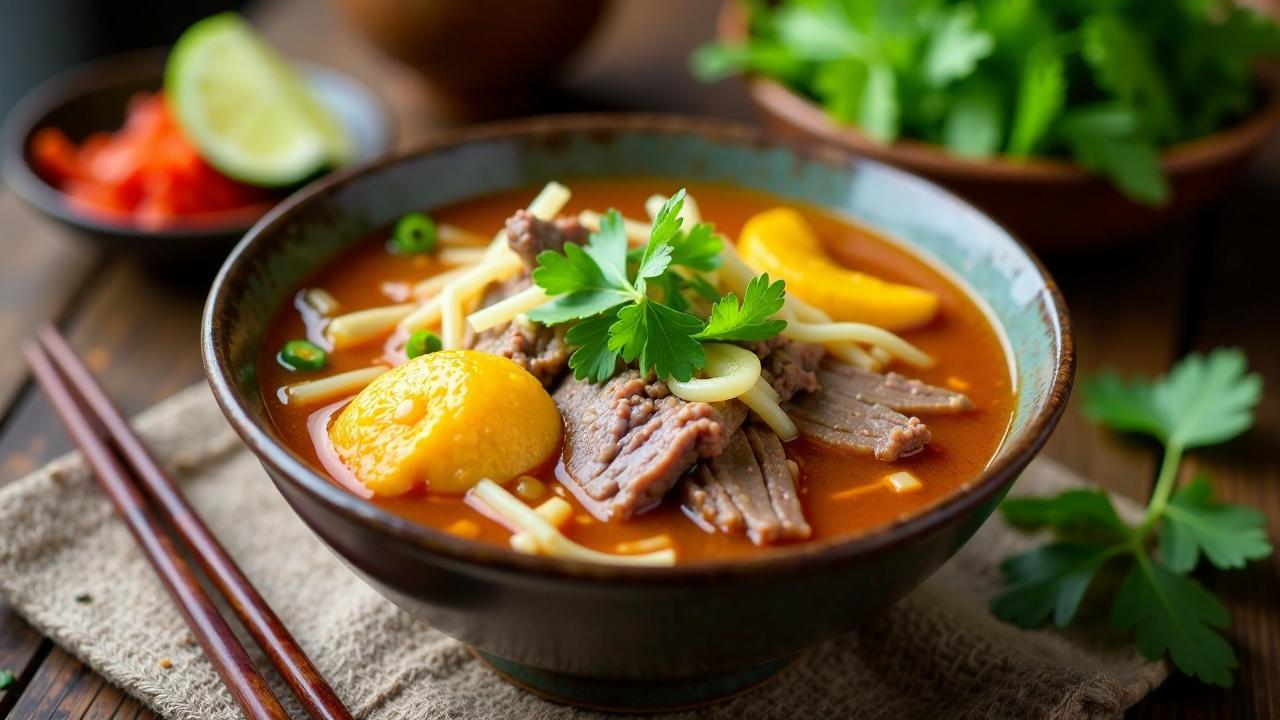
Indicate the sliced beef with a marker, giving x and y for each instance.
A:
(858, 426)
(750, 487)
(528, 235)
(789, 366)
(628, 441)
(892, 390)
(539, 349)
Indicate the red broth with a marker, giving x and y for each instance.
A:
(970, 358)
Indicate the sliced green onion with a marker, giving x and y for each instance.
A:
(302, 355)
(414, 234)
(421, 343)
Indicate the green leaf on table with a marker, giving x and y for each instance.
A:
(6, 679)
(819, 33)
(1048, 581)
(1174, 613)
(1079, 513)
(956, 46)
(1107, 139)
(752, 319)
(1204, 400)
(593, 361)
(1228, 535)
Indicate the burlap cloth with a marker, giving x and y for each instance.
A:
(937, 653)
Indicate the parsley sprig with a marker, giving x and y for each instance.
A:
(1108, 83)
(606, 291)
(1202, 401)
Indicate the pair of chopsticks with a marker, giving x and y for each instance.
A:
(108, 445)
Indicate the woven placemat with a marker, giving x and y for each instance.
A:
(937, 653)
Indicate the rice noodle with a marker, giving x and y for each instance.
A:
(462, 255)
(731, 371)
(556, 511)
(333, 387)
(550, 540)
(509, 309)
(431, 287)
(361, 326)
(768, 390)
(451, 331)
(497, 263)
(759, 400)
(452, 236)
(859, 332)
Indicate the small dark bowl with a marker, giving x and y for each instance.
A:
(92, 97)
(530, 615)
(1053, 204)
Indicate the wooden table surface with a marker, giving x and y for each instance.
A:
(1208, 282)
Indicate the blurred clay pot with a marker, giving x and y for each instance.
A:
(477, 49)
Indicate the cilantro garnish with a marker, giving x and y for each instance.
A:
(6, 679)
(983, 77)
(1204, 400)
(607, 291)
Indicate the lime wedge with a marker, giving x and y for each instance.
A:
(250, 115)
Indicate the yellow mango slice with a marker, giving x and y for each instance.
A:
(446, 420)
(781, 243)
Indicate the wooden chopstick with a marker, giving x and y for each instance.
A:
(228, 656)
(258, 618)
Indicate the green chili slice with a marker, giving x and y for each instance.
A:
(303, 355)
(421, 343)
(414, 234)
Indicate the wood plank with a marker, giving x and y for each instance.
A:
(43, 269)
(1125, 304)
(1236, 304)
(139, 335)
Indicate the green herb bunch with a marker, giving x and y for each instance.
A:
(1104, 82)
(632, 305)
(1202, 401)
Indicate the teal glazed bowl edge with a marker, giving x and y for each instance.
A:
(628, 623)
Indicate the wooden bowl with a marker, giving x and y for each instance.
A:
(1054, 205)
(493, 53)
(619, 636)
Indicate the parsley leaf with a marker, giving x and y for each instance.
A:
(1042, 92)
(593, 360)
(1228, 535)
(605, 288)
(1204, 400)
(1181, 69)
(975, 124)
(1083, 513)
(658, 339)
(6, 679)
(698, 249)
(1048, 581)
(608, 248)
(1123, 64)
(956, 46)
(1173, 613)
(750, 320)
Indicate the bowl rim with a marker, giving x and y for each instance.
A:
(1013, 457)
(777, 99)
(100, 74)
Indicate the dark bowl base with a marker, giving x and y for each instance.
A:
(631, 696)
